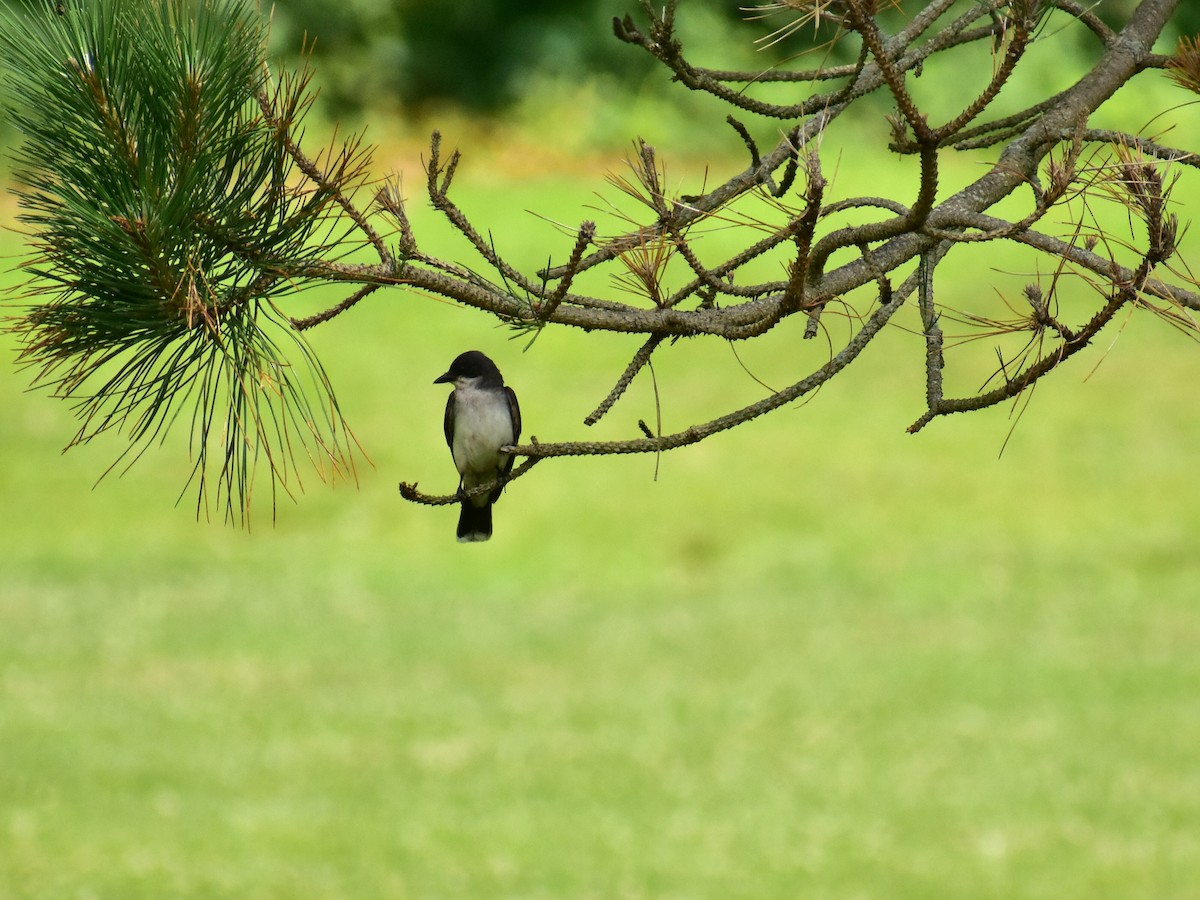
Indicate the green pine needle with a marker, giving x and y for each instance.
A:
(166, 211)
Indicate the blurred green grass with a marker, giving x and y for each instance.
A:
(815, 656)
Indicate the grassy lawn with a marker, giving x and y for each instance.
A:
(815, 657)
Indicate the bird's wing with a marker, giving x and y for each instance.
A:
(448, 424)
(514, 410)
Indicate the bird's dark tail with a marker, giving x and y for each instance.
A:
(474, 522)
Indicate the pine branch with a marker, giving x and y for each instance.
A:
(156, 175)
(172, 207)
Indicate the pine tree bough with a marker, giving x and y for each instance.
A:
(171, 209)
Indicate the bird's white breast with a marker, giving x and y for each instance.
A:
(482, 425)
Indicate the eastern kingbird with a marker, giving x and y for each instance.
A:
(481, 417)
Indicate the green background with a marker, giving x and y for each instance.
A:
(815, 656)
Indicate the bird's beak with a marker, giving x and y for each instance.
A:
(442, 379)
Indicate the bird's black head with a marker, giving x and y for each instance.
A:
(471, 364)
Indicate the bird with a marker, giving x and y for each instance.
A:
(482, 416)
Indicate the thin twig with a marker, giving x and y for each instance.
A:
(409, 491)
(635, 365)
(310, 321)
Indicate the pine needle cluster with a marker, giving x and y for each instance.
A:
(158, 180)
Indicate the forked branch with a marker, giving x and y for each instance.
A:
(281, 219)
